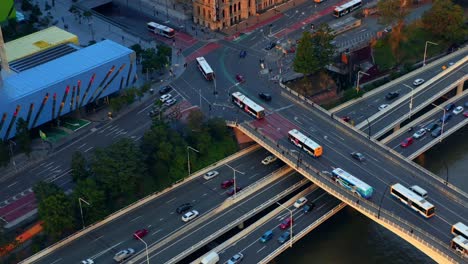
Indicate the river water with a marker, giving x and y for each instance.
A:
(349, 237)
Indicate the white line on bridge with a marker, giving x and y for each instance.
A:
(135, 218)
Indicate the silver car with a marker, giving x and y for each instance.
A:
(237, 258)
(421, 132)
(124, 254)
(418, 82)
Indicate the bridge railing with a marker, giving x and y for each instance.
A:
(370, 208)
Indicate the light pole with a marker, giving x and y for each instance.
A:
(381, 200)
(11, 153)
(235, 180)
(411, 100)
(443, 121)
(81, 209)
(188, 157)
(359, 78)
(291, 226)
(215, 92)
(146, 248)
(299, 156)
(369, 130)
(446, 172)
(425, 50)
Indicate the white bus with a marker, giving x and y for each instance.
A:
(161, 29)
(305, 143)
(248, 105)
(347, 7)
(352, 183)
(460, 229)
(413, 200)
(460, 244)
(205, 69)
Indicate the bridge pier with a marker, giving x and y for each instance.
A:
(396, 127)
(460, 87)
(241, 225)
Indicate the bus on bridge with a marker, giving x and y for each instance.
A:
(460, 229)
(352, 183)
(413, 200)
(305, 143)
(248, 105)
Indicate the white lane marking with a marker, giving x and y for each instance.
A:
(160, 219)
(97, 238)
(11, 184)
(336, 135)
(55, 261)
(261, 249)
(105, 251)
(156, 232)
(84, 144)
(144, 109)
(283, 108)
(173, 199)
(135, 218)
(253, 175)
(88, 149)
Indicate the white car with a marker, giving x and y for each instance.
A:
(190, 215)
(382, 107)
(87, 261)
(124, 254)
(458, 110)
(300, 202)
(165, 97)
(210, 175)
(269, 160)
(418, 82)
(421, 132)
(170, 102)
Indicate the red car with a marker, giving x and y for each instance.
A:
(287, 222)
(346, 119)
(140, 233)
(240, 78)
(227, 184)
(407, 142)
(465, 114)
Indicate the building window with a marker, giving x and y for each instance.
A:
(238, 6)
(230, 10)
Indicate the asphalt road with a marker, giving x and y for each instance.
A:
(254, 250)
(435, 118)
(159, 216)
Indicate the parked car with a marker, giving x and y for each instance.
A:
(270, 46)
(407, 142)
(124, 254)
(87, 261)
(421, 132)
(226, 184)
(170, 102)
(449, 107)
(287, 222)
(300, 202)
(418, 82)
(183, 208)
(457, 110)
(465, 114)
(284, 237)
(165, 89)
(308, 207)
(383, 106)
(140, 233)
(357, 155)
(266, 236)
(210, 175)
(231, 191)
(436, 132)
(445, 118)
(392, 95)
(265, 96)
(432, 126)
(165, 97)
(190, 215)
(269, 159)
(237, 258)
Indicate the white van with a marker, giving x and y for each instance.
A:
(419, 191)
(210, 258)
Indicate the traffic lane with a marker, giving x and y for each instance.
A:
(149, 215)
(254, 250)
(222, 219)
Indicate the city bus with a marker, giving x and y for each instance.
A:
(161, 29)
(305, 143)
(352, 183)
(347, 7)
(460, 244)
(205, 69)
(460, 229)
(413, 200)
(248, 105)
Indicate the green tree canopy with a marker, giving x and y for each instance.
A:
(79, 166)
(23, 136)
(394, 12)
(4, 153)
(56, 212)
(445, 20)
(88, 190)
(305, 62)
(42, 190)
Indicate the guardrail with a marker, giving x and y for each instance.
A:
(429, 244)
(134, 205)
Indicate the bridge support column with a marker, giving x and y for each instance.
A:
(241, 137)
(396, 127)
(241, 225)
(460, 88)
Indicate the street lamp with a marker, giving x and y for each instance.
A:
(411, 100)
(146, 248)
(291, 226)
(299, 156)
(368, 125)
(10, 142)
(446, 172)
(81, 209)
(443, 121)
(235, 180)
(188, 157)
(381, 199)
(425, 50)
(359, 78)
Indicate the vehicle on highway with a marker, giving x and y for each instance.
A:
(460, 244)
(305, 143)
(287, 222)
(284, 237)
(420, 133)
(240, 78)
(266, 236)
(87, 261)
(457, 110)
(270, 46)
(460, 229)
(265, 96)
(413, 200)
(242, 54)
(407, 142)
(153, 112)
(269, 159)
(466, 104)
(383, 106)
(419, 191)
(227, 183)
(418, 82)
(210, 258)
(392, 95)
(436, 132)
(300, 202)
(465, 114)
(165, 97)
(205, 69)
(346, 118)
(232, 192)
(124, 254)
(347, 8)
(183, 208)
(445, 118)
(237, 258)
(210, 175)
(170, 102)
(165, 89)
(162, 30)
(357, 155)
(140, 233)
(190, 215)
(449, 107)
(431, 126)
(248, 105)
(352, 183)
(308, 207)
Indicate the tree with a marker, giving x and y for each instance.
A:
(394, 12)
(79, 167)
(88, 15)
(138, 49)
(304, 62)
(322, 47)
(42, 190)
(4, 153)
(56, 212)
(23, 136)
(88, 190)
(445, 20)
(195, 120)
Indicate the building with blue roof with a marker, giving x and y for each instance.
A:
(57, 87)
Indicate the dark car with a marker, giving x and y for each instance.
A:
(346, 118)
(240, 78)
(165, 89)
(140, 233)
(436, 132)
(242, 54)
(284, 237)
(357, 155)
(183, 207)
(445, 118)
(226, 184)
(308, 207)
(265, 96)
(270, 46)
(231, 192)
(449, 107)
(431, 126)
(392, 95)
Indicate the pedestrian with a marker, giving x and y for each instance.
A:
(411, 231)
